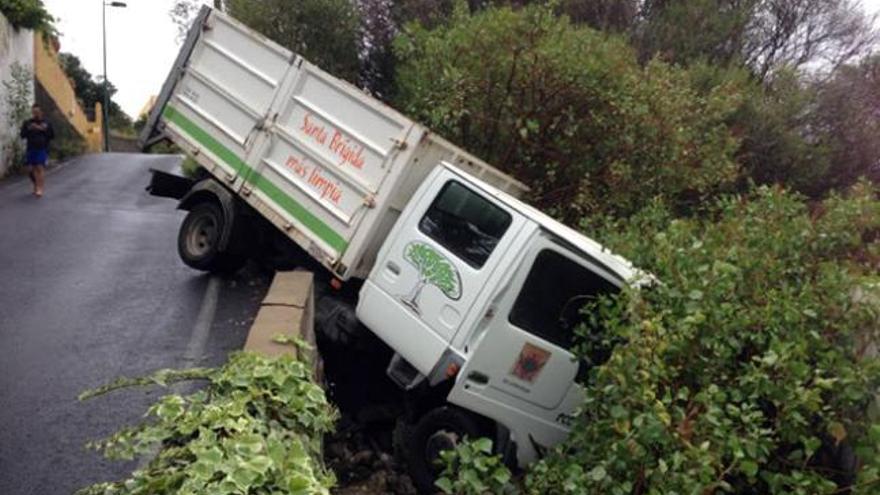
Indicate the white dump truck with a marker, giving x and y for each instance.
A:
(475, 293)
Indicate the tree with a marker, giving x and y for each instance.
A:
(325, 32)
(683, 31)
(605, 15)
(782, 33)
(377, 31)
(568, 111)
(847, 115)
(29, 14)
(434, 269)
(780, 142)
(182, 14)
(765, 35)
(90, 90)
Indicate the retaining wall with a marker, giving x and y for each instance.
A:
(16, 46)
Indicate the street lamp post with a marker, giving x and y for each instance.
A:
(105, 110)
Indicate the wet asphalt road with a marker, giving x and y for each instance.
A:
(91, 288)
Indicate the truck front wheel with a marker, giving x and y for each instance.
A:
(438, 430)
(198, 242)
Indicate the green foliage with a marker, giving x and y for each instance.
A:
(471, 469)
(323, 31)
(18, 96)
(255, 428)
(189, 166)
(568, 110)
(28, 14)
(90, 90)
(847, 116)
(779, 140)
(763, 36)
(68, 145)
(746, 369)
(670, 27)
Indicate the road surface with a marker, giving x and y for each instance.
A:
(91, 289)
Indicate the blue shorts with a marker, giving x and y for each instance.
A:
(37, 158)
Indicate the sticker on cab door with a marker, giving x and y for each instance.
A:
(434, 270)
(530, 362)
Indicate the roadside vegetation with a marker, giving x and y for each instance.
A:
(255, 427)
(29, 14)
(90, 90)
(729, 148)
(17, 98)
(748, 368)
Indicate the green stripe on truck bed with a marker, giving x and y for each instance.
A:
(279, 197)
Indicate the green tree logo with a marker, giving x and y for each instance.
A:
(434, 269)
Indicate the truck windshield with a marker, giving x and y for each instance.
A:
(465, 223)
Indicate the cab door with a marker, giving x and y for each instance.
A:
(519, 370)
(436, 262)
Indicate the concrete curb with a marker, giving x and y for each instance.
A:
(289, 310)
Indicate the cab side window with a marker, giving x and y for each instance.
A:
(549, 303)
(465, 223)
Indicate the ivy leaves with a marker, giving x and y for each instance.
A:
(255, 428)
(471, 469)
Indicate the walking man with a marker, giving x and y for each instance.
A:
(38, 132)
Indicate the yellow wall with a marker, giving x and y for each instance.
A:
(51, 76)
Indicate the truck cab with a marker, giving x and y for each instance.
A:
(475, 287)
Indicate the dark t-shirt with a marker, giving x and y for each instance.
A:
(37, 139)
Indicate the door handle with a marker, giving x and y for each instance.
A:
(393, 268)
(478, 377)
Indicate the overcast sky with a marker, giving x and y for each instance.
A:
(141, 43)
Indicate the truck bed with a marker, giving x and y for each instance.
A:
(324, 162)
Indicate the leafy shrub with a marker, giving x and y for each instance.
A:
(471, 469)
(28, 14)
(323, 31)
(747, 368)
(255, 428)
(567, 110)
(18, 96)
(190, 167)
(68, 145)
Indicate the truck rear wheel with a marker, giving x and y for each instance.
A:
(438, 430)
(198, 242)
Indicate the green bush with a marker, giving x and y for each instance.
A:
(28, 14)
(190, 167)
(17, 97)
(68, 146)
(568, 110)
(746, 369)
(471, 469)
(323, 31)
(255, 428)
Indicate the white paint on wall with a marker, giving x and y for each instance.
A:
(16, 46)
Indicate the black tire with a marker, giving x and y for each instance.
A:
(439, 429)
(198, 241)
